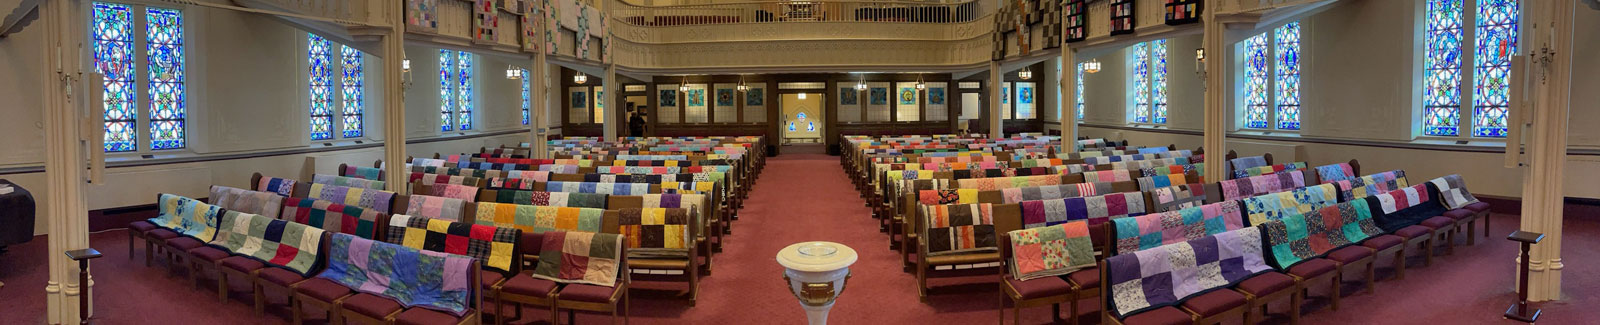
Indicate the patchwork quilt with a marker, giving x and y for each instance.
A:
(1406, 206)
(430, 162)
(1153, 230)
(186, 216)
(495, 246)
(947, 196)
(1107, 176)
(247, 201)
(1166, 275)
(990, 184)
(435, 207)
(1050, 251)
(958, 228)
(1150, 183)
(1019, 194)
(363, 172)
(1239, 188)
(580, 257)
(1372, 184)
(501, 183)
(539, 219)
(1268, 170)
(1296, 238)
(412, 277)
(280, 243)
(459, 192)
(1335, 172)
(433, 179)
(553, 199)
(1177, 197)
(282, 186)
(347, 181)
(1283, 204)
(1072, 168)
(562, 169)
(1453, 191)
(599, 188)
(682, 188)
(339, 218)
(1094, 209)
(378, 200)
(656, 232)
(1168, 169)
(1243, 163)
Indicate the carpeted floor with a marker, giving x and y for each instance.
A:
(802, 196)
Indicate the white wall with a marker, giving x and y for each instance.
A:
(1358, 70)
(247, 94)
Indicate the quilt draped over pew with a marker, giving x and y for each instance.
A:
(580, 257)
(247, 201)
(656, 232)
(1171, 227)
(378, 200)
(1296, 238)
(1094, 209)
(1051, 192)
(958, 228)
(1283, 204)
(412, 277)
(1165, 275)
(1050, 250)
(347, 181)
(280, 243)
(539, 219)
(330, 216)
(494, 246)
(186, 216)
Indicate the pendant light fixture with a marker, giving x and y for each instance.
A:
(513, 73)
(920, 84)
(742, 87)
(580, 78)
(1025, 74)
(1092, 66)
(683, 84)
(862, 85)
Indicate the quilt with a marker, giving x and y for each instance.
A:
(958, 228)
(1406, 206)
(495, 246)
(339, 218)
(1150, 183)
(1177, 197)
(363, 172)
(580, 257)
(1171, 227)
(378, 200)
(282, 186)
(1283, 204)
(435, 207)
(412, 277)
(539, 219)
(186, 216)
(280, 243)
(1372, 184)
(990, 184)
(1268, 170)
(1296, 238)
(554, 199)
(1107, 176)
(1239, 188)
(1050, 251)
(1453, 191)
(1019, 194)
(433, 179)
(1166, 275)
(683, 187)
(347, 181)
(1335, 172)
(1243, 163)
(656, 232)
(599, 188)
(1095, 209)
(247, 201)
(459, 192)
(502, 183)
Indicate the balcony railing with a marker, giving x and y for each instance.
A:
(797, 11)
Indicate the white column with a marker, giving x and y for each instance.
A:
(996, 124)
(1216, 110)
(536, 102)
(611, 114)
(65, 98)
(1547, 140)
(394, 102)
(1069, 98)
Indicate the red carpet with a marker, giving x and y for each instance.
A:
(803, 196)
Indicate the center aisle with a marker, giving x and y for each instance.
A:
(803, 195)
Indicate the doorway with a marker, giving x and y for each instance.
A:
(802, 120)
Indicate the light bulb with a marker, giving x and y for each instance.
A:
(802, 95)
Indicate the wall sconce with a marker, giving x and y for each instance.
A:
(1200, 63)
(405, 73)
(580, 78)
(742, 87)
(1025, 74)
(513, 73)
(1200, 54)
(405, 66)
(1092, 66)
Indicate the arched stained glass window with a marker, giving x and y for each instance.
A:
(1496, 43)
(113, 56)
(1441, 74)
(1255, 81)
(321, 87)
(1158, 80)
(353, 91)
(1287, 41)
(446, 95)
(1080, 91)
(164, 41)
(1141, 82)
(525, 96)
(464, 74)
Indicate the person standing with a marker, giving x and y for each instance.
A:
(636, 123)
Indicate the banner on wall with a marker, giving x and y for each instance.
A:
(486, 21)
(849, 103)
(755, 104)
(1025, 99)
(908, 102)
(695, 110)
(726, 103)
(552, 26)
(667, 100)
(936, 97)
(578, 107)
(878, 102)
(599, 104)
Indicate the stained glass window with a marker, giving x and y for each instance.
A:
(113, 56)
(446, 96)
(321, 87)
(1255, 79)
(353, 91)
(1080, 91)
(164, 51)
(525, 101)
(1287, 40)
(1158, 82)
(1496, 43)
(1141, 83)
(464, 74)
(1441, 77)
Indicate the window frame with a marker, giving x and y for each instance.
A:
(1271, 73)
(1153, 72)
(138, 11)
(1466, 101)
(336, 110)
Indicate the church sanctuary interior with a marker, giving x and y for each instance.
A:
(799, 162)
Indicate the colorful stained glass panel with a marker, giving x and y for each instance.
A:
(464, 74)
(1496, 43)
(113, 56)
(354, 94)
(525, 96)
(1158, 82)
(1080, 91)
(1141, 82)
(321, 86)
(164, 40)
(1441, 75)
(1255, 79)
(446, 96)
(1288, 75)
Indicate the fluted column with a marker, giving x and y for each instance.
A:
(996, 121)
(1216, 110)
(66, 91)
(394, 101)
(1069, 98)
(1551, 75)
